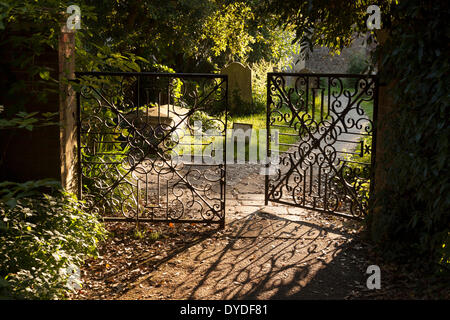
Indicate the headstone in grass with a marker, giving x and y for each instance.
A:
(242, 131)
(239, 85)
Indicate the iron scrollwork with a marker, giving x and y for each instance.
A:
(329, 167)
(131, 126)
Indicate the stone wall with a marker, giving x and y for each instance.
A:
(321, 61)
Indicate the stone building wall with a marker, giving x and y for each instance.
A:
(321, 61)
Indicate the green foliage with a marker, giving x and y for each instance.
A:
(166, 32)
(259, 81)
(414, 218)
(357, 170)
(91, 57)
(333, 24)
(227, 30)
(274, 44)
(245, 108)
(187, 35)
(28, 121)
(17, 19)
(43, 231)
(206, 121)
(357, 64)
(108, 150)
(444, 254)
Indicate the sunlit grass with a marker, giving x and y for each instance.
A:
(288, 133)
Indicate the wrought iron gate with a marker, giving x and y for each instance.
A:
(326, 139)
(136, 132)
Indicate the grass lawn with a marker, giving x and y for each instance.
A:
(287, 135)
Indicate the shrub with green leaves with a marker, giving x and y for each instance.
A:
(259, 81)
(358, 64)
(43, 232)
(357, 170)
(245, 108)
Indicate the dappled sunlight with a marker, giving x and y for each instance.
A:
(262, 256)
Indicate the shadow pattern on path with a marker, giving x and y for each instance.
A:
(262, 256)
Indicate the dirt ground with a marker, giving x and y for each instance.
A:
(264, 252)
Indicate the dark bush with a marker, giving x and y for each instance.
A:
(412, 220)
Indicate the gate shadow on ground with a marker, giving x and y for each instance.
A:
(262, 256)
(265, 256)
(125, 257)
(271, 257)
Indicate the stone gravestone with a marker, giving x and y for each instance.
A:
(239, 85)
(242, 131)
(241, 137)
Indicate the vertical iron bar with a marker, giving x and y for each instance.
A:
(168, 96)
(319, 181)
(329, 96)
(79, 168)
(159, 108)
(268, 103)
(304, 187)
(138, 84)
(138, 106)
(169, 80)
(137, 204)
(361, 153)
(307, 94)
(158, 188)
(224, 172)
(321, 104)
(374, 144)
(167, 199)
(313, 103)
(325, 202)
(146, 190)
